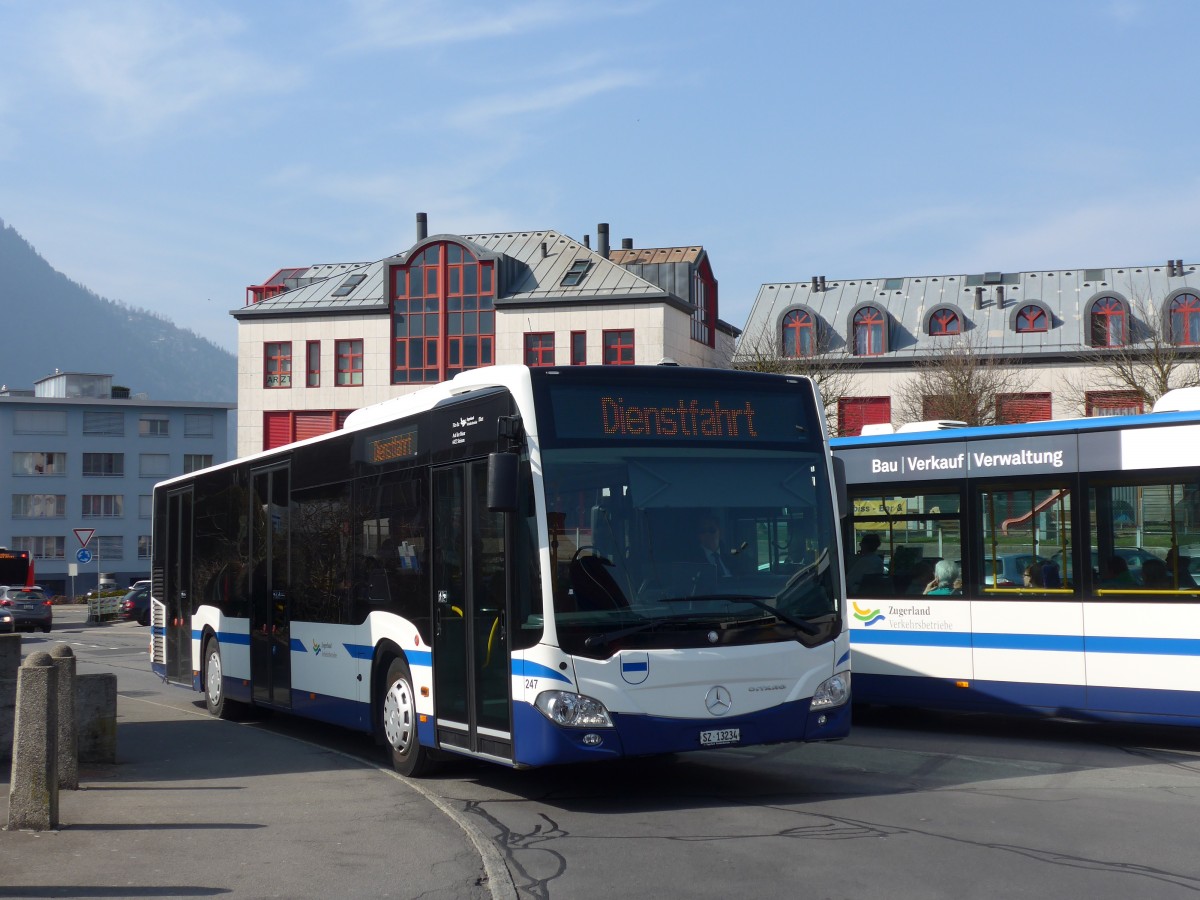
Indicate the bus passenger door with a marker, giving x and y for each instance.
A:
(270, 599)
(470, 584)
(176, 587)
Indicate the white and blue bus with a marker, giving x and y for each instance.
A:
(1046, 568)
(506, 566)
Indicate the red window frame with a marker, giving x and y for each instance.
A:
(1031, 319)
(312, 364)
(443, 314)
(1185, 320)
(799, 334)
(348, 362)
(1107, 323)
(1012, 409)
(1113, 403)
(944, 323)
(579, 348)
(277, 365)
(619, 347)
(285, 426)
(539, 348)
(869, 332)
(855, 412)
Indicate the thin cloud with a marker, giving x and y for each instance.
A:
(550, 99)
(147, 66)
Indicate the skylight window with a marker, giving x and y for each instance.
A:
(575, 274)
(351, 282)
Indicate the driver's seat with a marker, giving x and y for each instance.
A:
(594, 586)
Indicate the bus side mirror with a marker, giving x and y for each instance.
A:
(502, 482)
(839, 486)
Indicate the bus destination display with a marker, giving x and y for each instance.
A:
(391, 447)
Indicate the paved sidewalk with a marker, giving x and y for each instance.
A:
(197, 807)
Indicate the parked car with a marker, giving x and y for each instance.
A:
(135, 606)
(29, 606)
(1133, 557)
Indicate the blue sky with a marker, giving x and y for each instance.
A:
(168, 154)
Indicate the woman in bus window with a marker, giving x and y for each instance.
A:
(1033, 576)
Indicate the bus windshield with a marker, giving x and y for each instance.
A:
(658, 547)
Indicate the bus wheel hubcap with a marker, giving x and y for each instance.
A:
(398, 716)
(214, 677)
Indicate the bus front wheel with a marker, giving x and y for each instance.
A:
(398, 713)
(214, 685)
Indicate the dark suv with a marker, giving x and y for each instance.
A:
(30, 607)
(135, 606)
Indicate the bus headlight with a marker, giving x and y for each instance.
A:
(832, 691)
(572, 710)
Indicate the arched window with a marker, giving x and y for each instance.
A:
(944, 321)
(443, 314)
(799, 334)
(1185, 320)
(1031, 318)
(1107, 323)
(870, 332)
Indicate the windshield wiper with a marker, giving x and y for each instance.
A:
(807, 627)
(598, 640)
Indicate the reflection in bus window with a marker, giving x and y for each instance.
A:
(1024, 530)
(1145, 539)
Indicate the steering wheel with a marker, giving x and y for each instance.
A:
(588, 548)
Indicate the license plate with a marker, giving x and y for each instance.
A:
(718, 737)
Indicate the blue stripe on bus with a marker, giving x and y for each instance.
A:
(523, 668)
(1061, 643)
(359, 651)
(845, 658)
(297, 646)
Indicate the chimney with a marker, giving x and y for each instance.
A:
(821, 283)
(1000, 296)
(602, 239)
(587, 241)
(626, 243)
(979, 298)
(422, 226)
(813, 286)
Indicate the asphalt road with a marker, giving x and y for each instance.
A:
(910, 806)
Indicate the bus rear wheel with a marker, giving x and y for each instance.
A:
(398, 722)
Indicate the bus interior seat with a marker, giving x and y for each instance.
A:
(595, 588)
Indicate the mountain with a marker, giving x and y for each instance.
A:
(53, 322)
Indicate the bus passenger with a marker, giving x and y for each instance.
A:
(1177, 567)
(1155, 576)
(1033, 576)
(865, 562)
(1118, 574)
(947, 579)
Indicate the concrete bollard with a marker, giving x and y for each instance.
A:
(10, 661)
(33, 791)
(68, 733)
(96, 717)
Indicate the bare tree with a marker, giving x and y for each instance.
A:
(832, 370)
(1150, 363)
(963, 383)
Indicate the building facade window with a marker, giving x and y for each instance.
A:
(41, 546)
(579, 348)
(103, 506)
(104, 465)
(194, 461)
(312, 364)
(349, 363)
(39, 506)
(197, 425)
(799, 334)
(1185, 320)
(154, 465)
(110, 423)
(443, 314)
(284, 427)
(145, 506)
(855, 412)
(1107, 323)
(154, 426)
(144, 546)
(277, 364)
(704, 298)
(1031, 319)
(38, 421)
(944, 322)
(618, 347)
(27, 463)
(1012, 409)
(1113, 403)
(870, 332)
(539, 348)
(109, 546)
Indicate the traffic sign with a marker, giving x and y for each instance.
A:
(84, 555)
(83, 535)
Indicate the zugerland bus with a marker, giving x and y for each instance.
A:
(1070, 558)
(504, 566)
